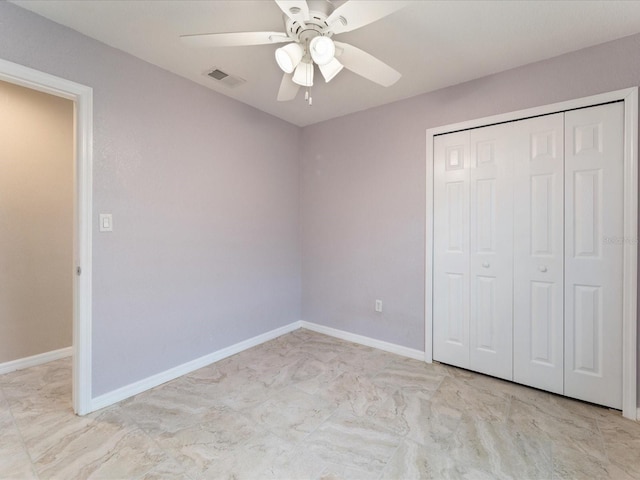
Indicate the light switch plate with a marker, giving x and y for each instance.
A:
(379, 306)
(106, 222)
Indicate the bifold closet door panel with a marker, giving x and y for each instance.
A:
(538, 270)
(451, 249)
(491, 256)
(593, 254)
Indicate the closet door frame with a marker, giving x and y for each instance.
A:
(630, 241)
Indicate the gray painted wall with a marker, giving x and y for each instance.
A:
(36, 222)
(363, 187)
(204, 196)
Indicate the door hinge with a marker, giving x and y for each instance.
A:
(78, 271)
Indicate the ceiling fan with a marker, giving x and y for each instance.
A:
(309, 28)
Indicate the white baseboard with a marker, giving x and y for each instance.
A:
(34, 360)
(362, 340)
(140, 386)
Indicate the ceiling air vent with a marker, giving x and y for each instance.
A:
(224, 78)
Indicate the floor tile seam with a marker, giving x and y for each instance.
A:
(329, 467)
(448, 443)
(380, 422)
(294, 383)
(386, 388)
(97, 461)
(246, 415)
(304, 439)
(333, 414)
(183, 475)
(604, 464)
(580, 412)
(389, 362)
(154, 441)
(438, 387)
(259, 430)
(539, 434)
(508, 410)
(3, 397)
(332, 379)
(90, 423)
(603, 442)
(346, 368)
(291, 380)
(143, 474)
(314, 395)
(388, 462)
(395, 388)
(303, 341)
(186, 473)
(22, 441)
(296, 333)
(424, 441)
(486, 389)
(271, 394)
(371, 420)
(268, 429)
(297, 387)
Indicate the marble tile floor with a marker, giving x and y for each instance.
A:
(306, 405)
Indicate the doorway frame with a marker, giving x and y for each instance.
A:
(629, 97)
(82, 97)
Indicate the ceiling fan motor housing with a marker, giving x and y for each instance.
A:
(306, 31)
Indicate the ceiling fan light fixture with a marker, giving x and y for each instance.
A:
(289, 56)
(322, 50)
(331, 69)
(303, 75)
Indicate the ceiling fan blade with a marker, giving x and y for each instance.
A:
(294, 9)
(358, 13)
(288, 89)
(366, 65)
(234, 39)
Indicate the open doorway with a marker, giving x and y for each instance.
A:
(36, 226)
(54, 260)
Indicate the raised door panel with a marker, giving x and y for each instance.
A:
(542, 344)
(593, 254)
(587, 204)
(451, 249)
(491, 251)
(538, 252)
(456, 205)
(588, 324)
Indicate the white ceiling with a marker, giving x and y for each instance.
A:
(433, 44)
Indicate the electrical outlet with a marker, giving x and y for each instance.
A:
(378, 305)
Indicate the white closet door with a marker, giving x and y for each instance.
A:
(451, 249)
(491, 256)
(538, 323)
(593, 254)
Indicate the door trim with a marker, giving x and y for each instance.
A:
(82, 97)
(630, 242)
